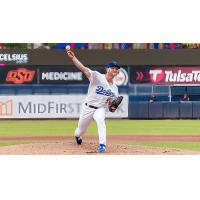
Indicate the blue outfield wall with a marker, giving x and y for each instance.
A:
(164, 110)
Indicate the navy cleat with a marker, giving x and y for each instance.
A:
(101, 148)
(78, 140)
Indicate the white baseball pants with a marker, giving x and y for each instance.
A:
(86, 117)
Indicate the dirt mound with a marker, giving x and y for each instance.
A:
(88, 148)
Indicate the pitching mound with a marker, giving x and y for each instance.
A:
(87, 148)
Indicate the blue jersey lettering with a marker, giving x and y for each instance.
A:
(101, 90)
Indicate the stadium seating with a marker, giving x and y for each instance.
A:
(178, 90)
(100, 45)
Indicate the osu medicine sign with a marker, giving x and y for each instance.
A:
(42, 75)
(165, 75)
(53, 75)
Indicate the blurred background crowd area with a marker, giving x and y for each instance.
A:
(100, 45)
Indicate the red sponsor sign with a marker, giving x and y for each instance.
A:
(20, 75)
(166, 75)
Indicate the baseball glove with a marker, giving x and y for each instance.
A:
(115, 103)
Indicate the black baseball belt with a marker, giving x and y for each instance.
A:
(91, 106)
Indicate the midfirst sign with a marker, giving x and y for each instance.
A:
(49, 106)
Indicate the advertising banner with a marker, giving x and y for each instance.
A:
(18, 75)
(15, 58)
(54, 75)
(49, 106)
(61, 75)
(122, 78)
(71, 75)
(165, 75)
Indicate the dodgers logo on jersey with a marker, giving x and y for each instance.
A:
(101, 90)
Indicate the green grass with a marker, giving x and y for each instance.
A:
(114, 127)
(2, 144)
(155, 127)
(195, 146)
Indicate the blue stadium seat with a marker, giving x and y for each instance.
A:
(194, 97)
(161, 89)
(178, 90)
(139, 98)
(61, 45)
(162, 98)
(193, 90)
(177, 97)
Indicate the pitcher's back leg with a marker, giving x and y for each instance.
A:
(99, 117)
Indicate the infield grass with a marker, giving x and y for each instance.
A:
(114, 127)
(194, 146)
(2, 144)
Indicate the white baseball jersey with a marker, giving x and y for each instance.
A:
(100, 90)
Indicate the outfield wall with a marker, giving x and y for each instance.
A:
(164, 110)
(49, 106)
(32, 77)
(69, 106)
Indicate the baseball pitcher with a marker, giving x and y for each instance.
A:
(102, 97)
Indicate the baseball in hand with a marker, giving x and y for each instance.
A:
(67, 47)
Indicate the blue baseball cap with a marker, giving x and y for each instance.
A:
(112, 64)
